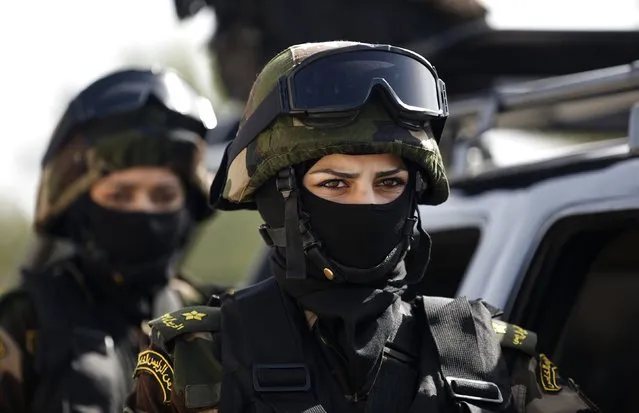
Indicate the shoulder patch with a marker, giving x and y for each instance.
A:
(513, 336)
(158, 367)
(186, 320)
(548, 375)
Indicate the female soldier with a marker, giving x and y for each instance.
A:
(123, 181)
(337, 147)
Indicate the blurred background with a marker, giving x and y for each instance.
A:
(52, 49)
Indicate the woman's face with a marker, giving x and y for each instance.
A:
(358, 179)
(147, 189)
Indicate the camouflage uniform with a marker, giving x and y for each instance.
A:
(32, 378)
(187, 367)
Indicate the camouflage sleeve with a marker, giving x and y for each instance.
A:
(17, 334)
(188, 336)
(538, 388)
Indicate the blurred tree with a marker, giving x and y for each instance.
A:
(15, 229)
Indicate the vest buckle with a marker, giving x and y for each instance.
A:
(474, 390)
(281, 377)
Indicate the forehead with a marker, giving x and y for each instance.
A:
(140, 176)
(342, 162)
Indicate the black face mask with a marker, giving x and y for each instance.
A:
(358, 236)
(131, 238)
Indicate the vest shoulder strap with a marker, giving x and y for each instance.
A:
(266, 354)
(469, 352)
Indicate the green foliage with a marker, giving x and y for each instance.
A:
(227, 249)
(15, 229)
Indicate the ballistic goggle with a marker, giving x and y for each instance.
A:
(340, 81)
(114, 97)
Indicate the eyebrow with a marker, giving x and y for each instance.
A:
(346, 175)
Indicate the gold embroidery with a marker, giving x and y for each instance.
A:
(155, 364)
(170, 321)
(194, 315)
(520, 335)
(548, 374)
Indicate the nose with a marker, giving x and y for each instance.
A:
(143, 203)
(363, 195)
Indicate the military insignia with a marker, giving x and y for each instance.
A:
(194, 315)
(548, 375)
(170, 321)
(157, 366)
(513, 336)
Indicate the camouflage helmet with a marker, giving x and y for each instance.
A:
(289, 141)
(127, 118)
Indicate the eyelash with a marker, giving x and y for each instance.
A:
(396, 182)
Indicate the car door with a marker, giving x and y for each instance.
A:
(580, 292)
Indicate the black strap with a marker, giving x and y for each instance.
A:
(265, 113)
(418, 256)
(399, 370)
(295, 260)
(469, 363)
(274, 370)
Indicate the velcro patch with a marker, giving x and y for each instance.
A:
(157, 366)
(548, 375)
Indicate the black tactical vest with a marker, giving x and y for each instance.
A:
(79, 366)
(444, 358)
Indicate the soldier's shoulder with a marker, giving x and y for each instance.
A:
(17, 326)
(15, 305)
(511, 336)
(193, 319)
(515, 337)
(196, 293)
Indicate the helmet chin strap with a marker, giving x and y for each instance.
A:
(300, 243)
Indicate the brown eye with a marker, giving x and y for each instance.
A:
(120, 197)
(333, 184)
(392, 182)
(164, 195)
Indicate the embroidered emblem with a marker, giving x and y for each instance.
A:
(157, 366)
(519, 335)
(548, 375)
(170, 321)
(194, 315)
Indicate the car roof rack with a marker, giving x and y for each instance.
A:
(601, 100)
(474, 58)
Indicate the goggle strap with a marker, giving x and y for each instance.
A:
(266, 112)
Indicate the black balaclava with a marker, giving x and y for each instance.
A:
(369, 242)
(127, 255)
(358, 236)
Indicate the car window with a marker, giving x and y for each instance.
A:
(581, 296)
(451, 253)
